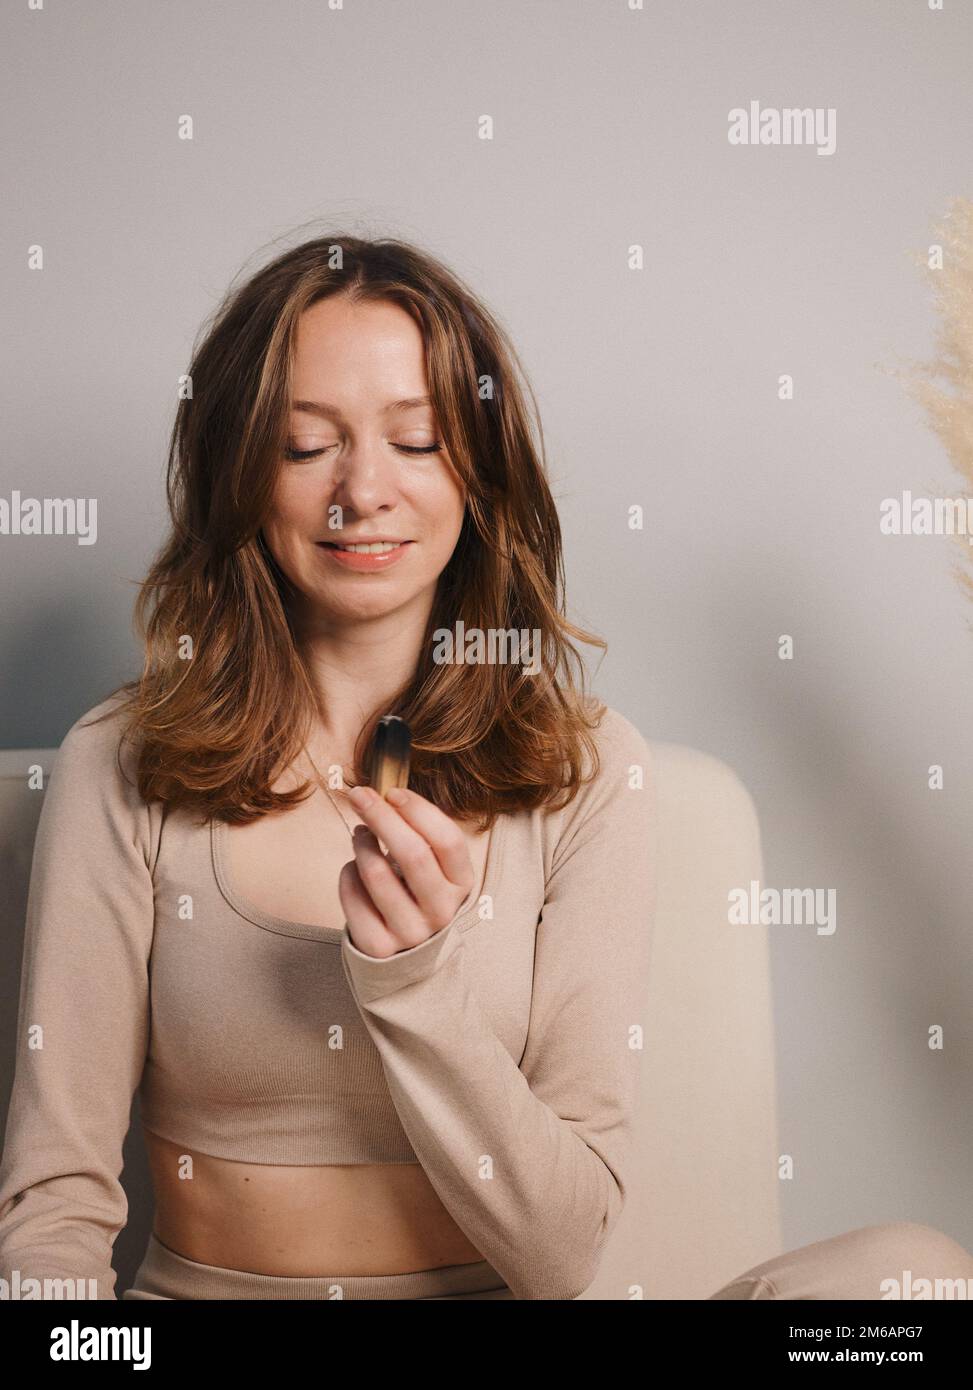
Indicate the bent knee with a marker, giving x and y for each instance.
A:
(914, 1245)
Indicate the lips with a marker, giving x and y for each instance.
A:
(376, 547)
(373, 556)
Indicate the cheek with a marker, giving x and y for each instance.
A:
(446, 523)
(296, 493)
(283, 528)
(445, 500)
(293, 506)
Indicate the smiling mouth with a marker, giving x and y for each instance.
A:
(372, 548)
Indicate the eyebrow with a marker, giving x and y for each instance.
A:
(331, 412)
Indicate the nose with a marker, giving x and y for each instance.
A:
(367, 479)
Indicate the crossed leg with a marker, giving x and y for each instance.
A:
(897, 1260)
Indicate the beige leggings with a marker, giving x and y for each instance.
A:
(899, 1260)
(850, 1266)
(165, 1274)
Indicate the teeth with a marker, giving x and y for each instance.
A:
(376, 548)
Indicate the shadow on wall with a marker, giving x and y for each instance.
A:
(56, 665)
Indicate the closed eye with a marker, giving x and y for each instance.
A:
(302, 455)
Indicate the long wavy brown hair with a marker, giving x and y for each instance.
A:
(226, 700)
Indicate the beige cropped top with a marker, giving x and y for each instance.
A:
(502, 1053)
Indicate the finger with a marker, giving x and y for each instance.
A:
(434, 893)
(360, 912)
(400, 912)
(414, 829)
(366, 926)
(444, 836)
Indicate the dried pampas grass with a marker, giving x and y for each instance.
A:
(944, 386)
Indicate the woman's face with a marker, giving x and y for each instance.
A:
(372, 453)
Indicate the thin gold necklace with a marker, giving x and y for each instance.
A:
(321, 783)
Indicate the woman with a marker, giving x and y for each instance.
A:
(359, 1077)
(400, 1087)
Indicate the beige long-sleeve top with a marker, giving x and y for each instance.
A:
(502, 1053)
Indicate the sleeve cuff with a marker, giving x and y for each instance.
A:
(371, 977)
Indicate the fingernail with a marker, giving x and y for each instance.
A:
(364, 795)
(396, 795)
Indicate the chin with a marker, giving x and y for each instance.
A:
(362, 605)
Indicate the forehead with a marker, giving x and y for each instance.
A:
(352, 354)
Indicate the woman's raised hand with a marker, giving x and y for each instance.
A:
(387, 913)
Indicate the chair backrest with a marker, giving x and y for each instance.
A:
(704, 1204)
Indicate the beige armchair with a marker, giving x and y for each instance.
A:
(704, 1205)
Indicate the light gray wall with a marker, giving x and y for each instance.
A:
(657, 387)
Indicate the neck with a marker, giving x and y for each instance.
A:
(358, 669)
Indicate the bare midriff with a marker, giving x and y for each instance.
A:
(305, 1221)
(302, 1220)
